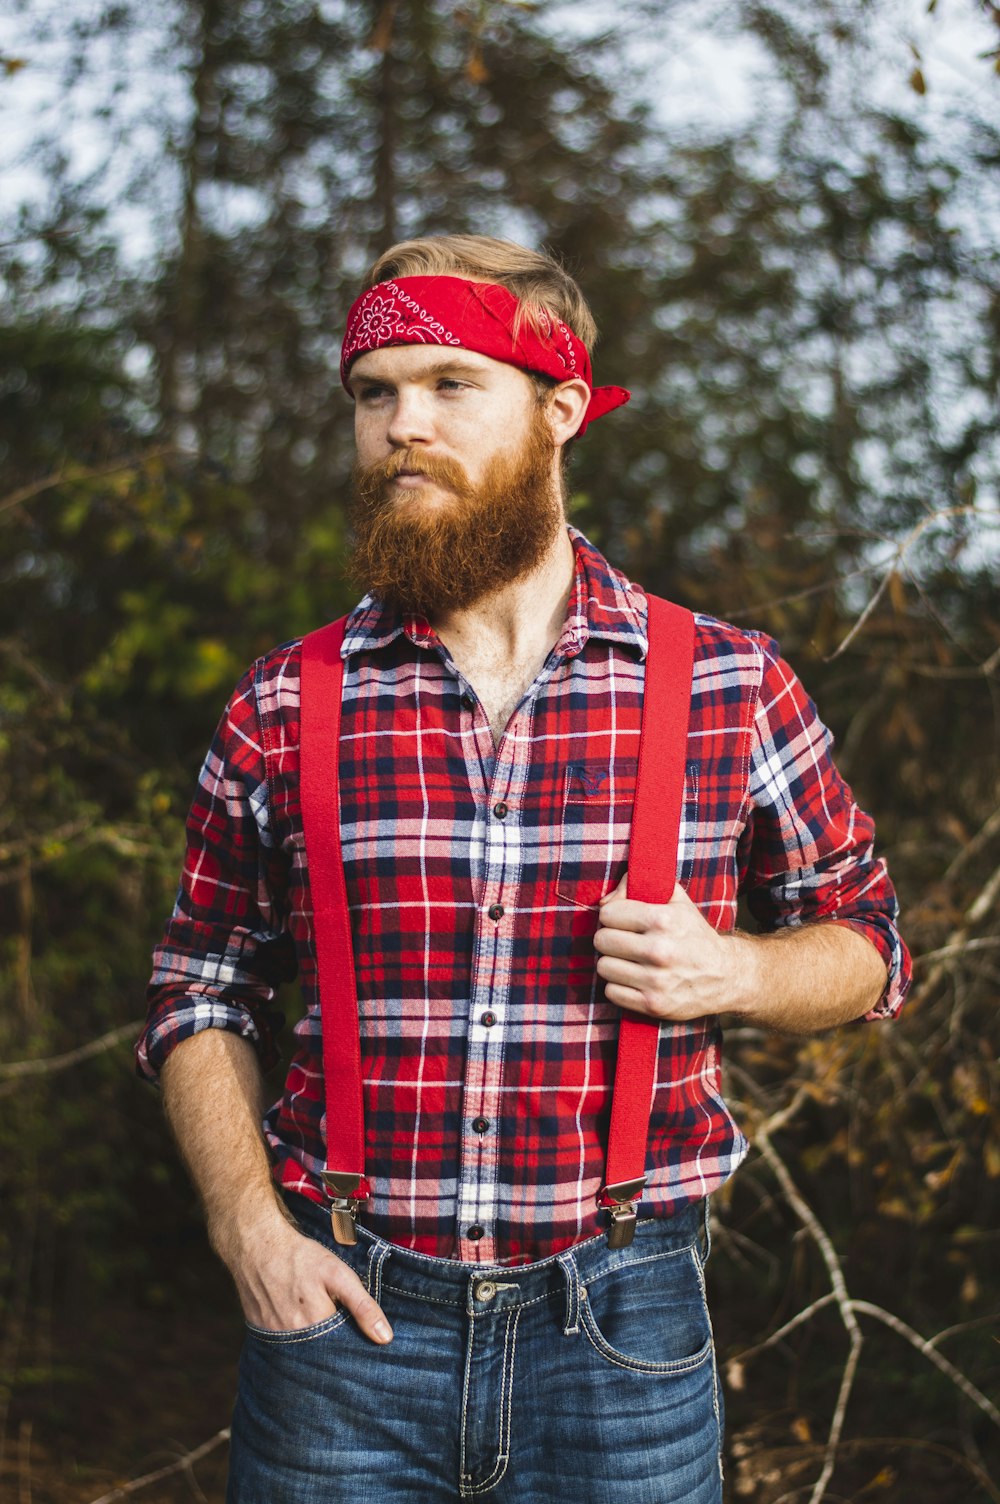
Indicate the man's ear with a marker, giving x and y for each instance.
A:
(566, 406)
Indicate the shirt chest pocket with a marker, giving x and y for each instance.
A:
(594, 832)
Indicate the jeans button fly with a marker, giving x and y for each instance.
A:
(485, 1290)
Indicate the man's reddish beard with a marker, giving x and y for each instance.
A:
(427, 557)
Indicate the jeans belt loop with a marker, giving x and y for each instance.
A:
(571, 1323)
(377, 1256)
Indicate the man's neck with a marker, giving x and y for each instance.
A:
(521, 622)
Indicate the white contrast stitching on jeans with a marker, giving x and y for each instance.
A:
(506, 1408)
(308, 1333)
(637, 1365)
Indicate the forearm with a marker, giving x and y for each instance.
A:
(805, 979)
(213, 1095)
(666, 961)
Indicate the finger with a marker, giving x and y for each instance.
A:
(626, 945)
(348, 1291)
(622, 972)
(629, 999)
(628, 913)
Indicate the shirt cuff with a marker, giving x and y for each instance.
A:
(897, 963)
(175, 1023)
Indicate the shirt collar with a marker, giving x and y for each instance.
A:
(602, 603)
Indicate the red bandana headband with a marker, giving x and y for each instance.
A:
(476, 316)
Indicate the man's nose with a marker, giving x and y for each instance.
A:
(411, 420)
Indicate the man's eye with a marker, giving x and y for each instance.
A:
(451, 384)
(371, 393)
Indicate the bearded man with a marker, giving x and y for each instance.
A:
(473, 1305)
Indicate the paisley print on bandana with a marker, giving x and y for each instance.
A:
(387, 315)
(480, 316)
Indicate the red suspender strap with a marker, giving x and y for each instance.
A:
(319, 756)
(652, 870)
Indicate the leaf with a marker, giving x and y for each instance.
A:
(476, 70)
(12, 65)
(917, 81)
(991, 1158)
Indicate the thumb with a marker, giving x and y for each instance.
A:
(679, 897)
(347, 1290)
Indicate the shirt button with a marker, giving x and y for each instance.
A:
(475, 1232)
(468, 701)
(496, 911)
(480, 1124)
(500, 810)
(487, 1019)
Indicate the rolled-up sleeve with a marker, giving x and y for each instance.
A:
(808, 848)
(226, 949)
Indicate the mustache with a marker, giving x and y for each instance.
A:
(371, 480)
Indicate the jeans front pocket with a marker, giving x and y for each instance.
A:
(292, 1335)
(650, 1316)
(596, 825)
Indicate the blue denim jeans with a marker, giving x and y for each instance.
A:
(585, 1377)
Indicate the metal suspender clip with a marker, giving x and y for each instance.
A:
(345, 1192)
(620, 1201)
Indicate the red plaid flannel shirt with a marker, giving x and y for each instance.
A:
(473, 880)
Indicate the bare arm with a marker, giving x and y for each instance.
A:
(667, 960)
(804, 980)
(213, 1097)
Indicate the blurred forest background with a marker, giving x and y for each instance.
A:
(785, 215)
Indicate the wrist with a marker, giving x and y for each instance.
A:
(239, 1233)
(745, 991)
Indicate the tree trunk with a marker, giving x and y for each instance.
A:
(385, 156)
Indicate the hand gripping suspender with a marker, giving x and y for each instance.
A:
(652, 868)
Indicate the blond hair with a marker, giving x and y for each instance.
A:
(537, 280)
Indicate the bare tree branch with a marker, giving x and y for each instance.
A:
(976, 671)
(20, 1070)
(182, 1465)
(899, 555)
(84, 832)
(988, 942)
(984, 903)
(928, 1349)
(91, 472)
(982, 837)
(821, 1238)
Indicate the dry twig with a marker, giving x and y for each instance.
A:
(848, 1307)
(899, 555)
(182, 1465)
(19, 1070)
(91, 472)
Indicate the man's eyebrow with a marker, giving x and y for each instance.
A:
(445, 367)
